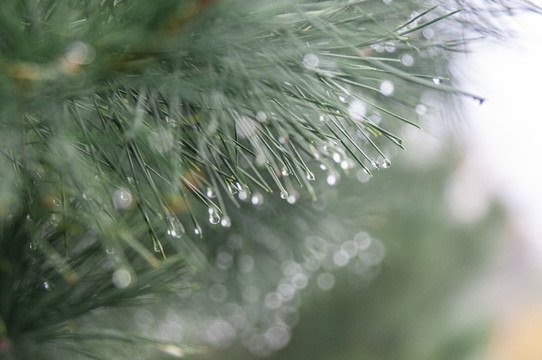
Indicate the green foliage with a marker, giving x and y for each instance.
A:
(123, 124)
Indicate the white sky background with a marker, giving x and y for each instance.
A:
(504, 149)
(503, 159)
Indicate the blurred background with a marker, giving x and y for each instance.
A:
(459, 220)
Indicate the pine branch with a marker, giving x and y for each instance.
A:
(125, 124)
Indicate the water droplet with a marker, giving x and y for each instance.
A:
(232, 189)
(386, 163)
(357, 110)
(172, 350)
(122, 199)
(362, 240)
(175, 227)
(273, 300)
(46, 285)
(342, 98)
(110, 250)
(79, 53)
(378, 48)
(260, 160)
(210, 193)
(376, 164)
(350, 248)
(283, 194)
(407, 60)
(437, 81)
(310, 176)
(363, 176)
(322, 118)
(197, 230)
(311, 61)
(341, 258)
(122, 278)
(315, 153)
(173, 232)
(157, 246)
(421, 109)
(331, 179)
(243, 195)
(325, 281)
(261, 116)
(292, 199)
(285, 171)
(428, 33)
(345, 164)
(323, 167)
(225, 222)
(390, 47)
(32, 246)
(257, 199)
(386, 88)
(336, 157)
(300, 280)
(214, 216)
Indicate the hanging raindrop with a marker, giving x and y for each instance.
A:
(292, 199)
(210, 193)
(437, 81)
(225, 222)
(157, 246)
(122, 199)
(387, 88)
(363, 176)
(257, 199)
(232, 189)
(376, 164)
(175, 228)
(310, 176)
(311, 61)
(214, 216)
(407, 60)
(357, 110)
(331, 179)
(421, 109)
(171, 231)
(243, 195)
(386, 163)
